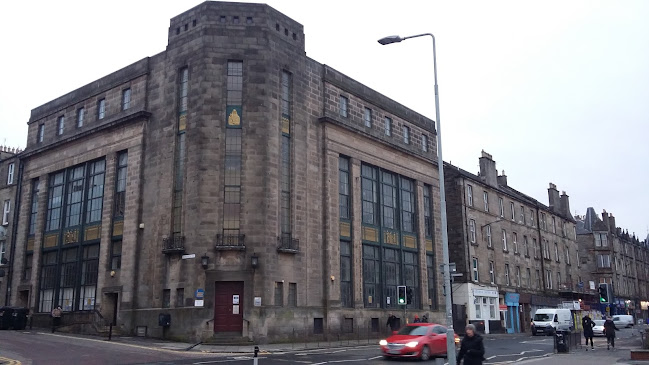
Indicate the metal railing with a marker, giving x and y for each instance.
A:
(173, 244)
(286, 243)
(230, 242)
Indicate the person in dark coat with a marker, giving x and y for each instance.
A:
(587, 324)
(392, 322)
(609, 331)
(471, 348)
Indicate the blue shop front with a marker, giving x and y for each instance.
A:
(512, 315)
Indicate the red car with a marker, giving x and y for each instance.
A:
(419, 340)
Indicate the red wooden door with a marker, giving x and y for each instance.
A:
(228, 306)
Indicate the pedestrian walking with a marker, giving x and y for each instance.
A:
(424, 318)
(392, 322)
(587, 324)
(417, 320)
(56, 317)
(471, 348)
(609, 331)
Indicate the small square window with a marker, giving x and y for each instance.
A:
(367, 117)
(236, 20)
(60, 125)
(285, 31)
(80, 115)
(101, 109)
(294, 36)
(406, 135)
(388, 126)
(249, 20)
(223, 19)
(424, 143)
(186, 27)
(194, 23)
(277, 27)
(126, 98)
(41, 133)
(342, 106)
(177, 30)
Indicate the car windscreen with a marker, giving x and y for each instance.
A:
(413, 330)
(599, 322)
(542, 317)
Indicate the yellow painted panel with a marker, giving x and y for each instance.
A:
(370, 234)
(118, 228)
(345, 229)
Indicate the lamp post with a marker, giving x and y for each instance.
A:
(450, 334)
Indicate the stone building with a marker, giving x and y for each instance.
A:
(610, 255)
(9, 176)
(512, 253)
(233, 183)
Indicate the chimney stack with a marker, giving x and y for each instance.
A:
(611, 223)
(502, 179)
(605, 220)
(488, 170)
(565, 205)
(553, 198)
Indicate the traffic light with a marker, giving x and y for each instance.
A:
(401, 294)
(603, 293)
(409, 295)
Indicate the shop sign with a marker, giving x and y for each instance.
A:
(485, 293)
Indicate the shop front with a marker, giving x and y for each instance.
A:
(481, 304)
(512, 316)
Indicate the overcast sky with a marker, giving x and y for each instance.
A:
(556, 91)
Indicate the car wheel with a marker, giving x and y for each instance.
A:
(425, 353)
(387, 358)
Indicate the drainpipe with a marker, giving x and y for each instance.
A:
(14, 230)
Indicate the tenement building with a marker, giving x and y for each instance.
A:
(612, 256)
(9, 177)
(513, 254)
(234, 186)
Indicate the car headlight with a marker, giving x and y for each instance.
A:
(383, 343)
(457, 340)
(412, 344)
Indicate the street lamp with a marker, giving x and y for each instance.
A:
(450, 334)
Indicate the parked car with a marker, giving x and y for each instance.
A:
(598, 329)
(417, 340)
(623, 320)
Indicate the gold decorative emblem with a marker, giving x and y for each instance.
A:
(286, 125)
(182, 122)
(370, 234)
(233, 118)
(71, 236)
(345, 229)
(390, 237)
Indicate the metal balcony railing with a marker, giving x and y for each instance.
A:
(173, 244)
(230, 242)
(288, 244)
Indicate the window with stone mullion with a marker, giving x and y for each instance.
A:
(34, 207)
(343, 188)
(428, 222)
(369, 195)
(371, 276)
(346, 282)
(407, 205)
(389, 200)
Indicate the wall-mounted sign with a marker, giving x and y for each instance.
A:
(235, 299)
(190, 256)
(198, 303)
(235, 309)
(199, 294)
(257, 302)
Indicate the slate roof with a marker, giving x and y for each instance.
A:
(507, 190)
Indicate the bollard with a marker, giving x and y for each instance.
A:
(255, 359)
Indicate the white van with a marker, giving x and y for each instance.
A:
(623, 320)
(547, 320)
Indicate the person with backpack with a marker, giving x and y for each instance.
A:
(587, 324)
